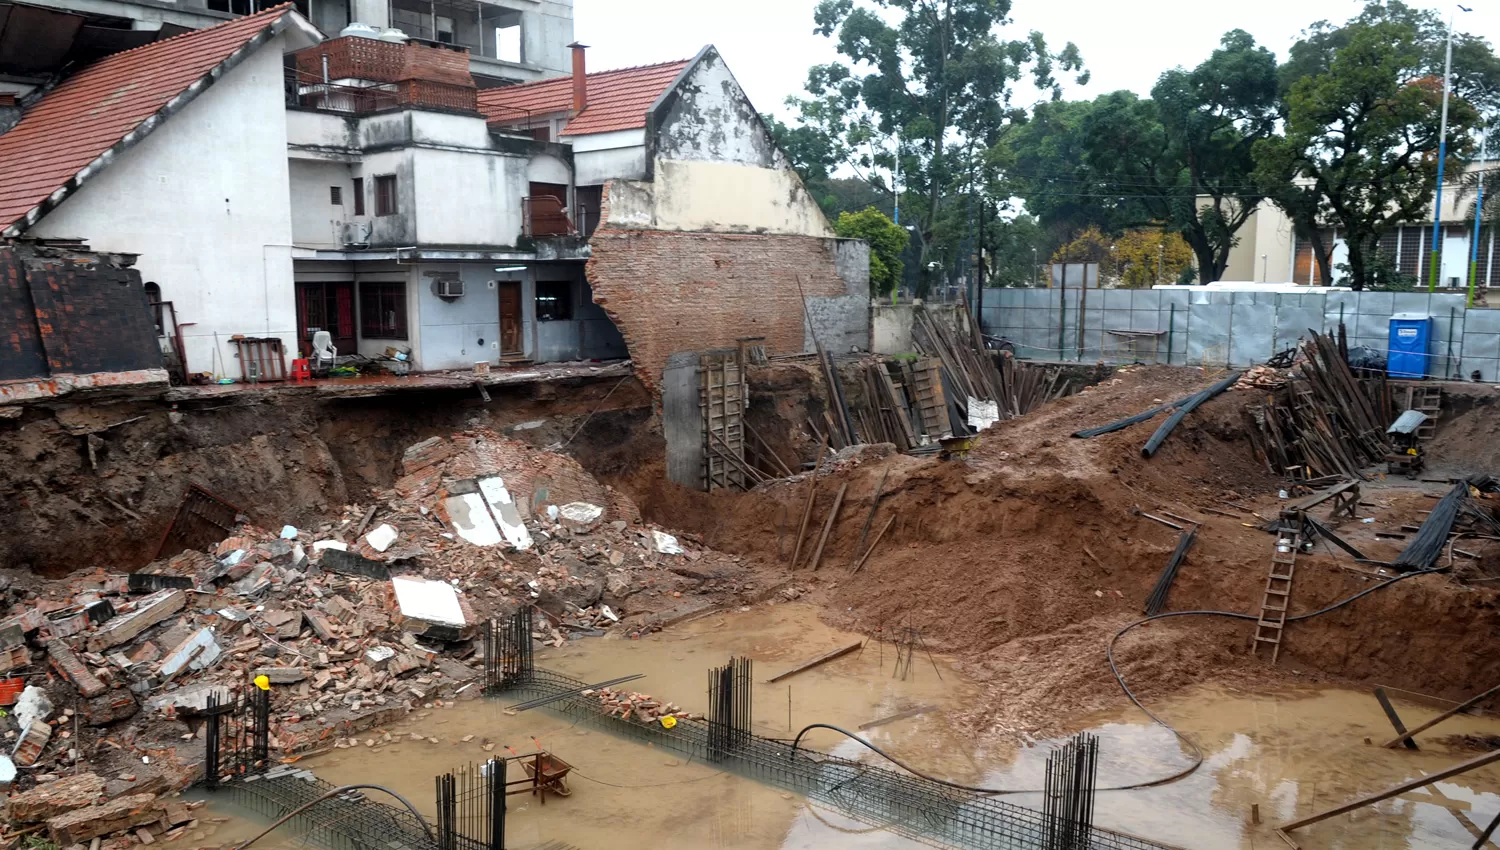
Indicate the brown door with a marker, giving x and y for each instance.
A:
(510, 318)
(326, 307)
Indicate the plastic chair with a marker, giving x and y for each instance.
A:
(324, 354)
(301, 371)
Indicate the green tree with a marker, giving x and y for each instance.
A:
(920, 81)
(1016, 248)
(1181, 160)
(887, 240)
(1359, 152)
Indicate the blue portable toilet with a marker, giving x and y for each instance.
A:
(1411, 345)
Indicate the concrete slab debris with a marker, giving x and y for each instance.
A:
(665, 543)
(350, 564)
(322, 545)
(471, 519)
(580, 516)
(80, 825)
(382, 537)
(198, 652)
(503, 506)
(148, 612)
(428, 601)
(34, 704)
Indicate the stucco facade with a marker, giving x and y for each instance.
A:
(214, 232)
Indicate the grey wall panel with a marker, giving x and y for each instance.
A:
(1250, 333)
(1482, 321)
(1145, 299)
(1410, 302)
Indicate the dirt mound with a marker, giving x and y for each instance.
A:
(1025, 558)
(1464, 442)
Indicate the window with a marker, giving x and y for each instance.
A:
(385, 194)
(336, 195)
(153, 300)
(359, 196)
(554, 300)
(508, 40)
(444, 29)
(382, 310)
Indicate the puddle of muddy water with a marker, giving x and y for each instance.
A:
(1293, 753)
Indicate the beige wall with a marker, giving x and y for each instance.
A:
(716, 197)
(1267, 232)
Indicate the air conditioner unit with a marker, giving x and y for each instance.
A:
(450, 288)
(356, 232)
(1452, 283)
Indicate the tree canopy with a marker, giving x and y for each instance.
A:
(887, 242)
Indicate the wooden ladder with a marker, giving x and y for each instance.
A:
(1429, 401)
(1273, 606)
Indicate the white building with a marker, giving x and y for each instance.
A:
(506, 41)
(410, 214)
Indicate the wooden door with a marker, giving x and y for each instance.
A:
(326, 307)
(510, 318)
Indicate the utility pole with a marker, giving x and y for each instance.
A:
(1484, 139)
(1437, 201)
(896, 180)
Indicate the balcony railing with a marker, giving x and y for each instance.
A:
(545, 215)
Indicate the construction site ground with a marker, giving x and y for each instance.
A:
(1016, 565)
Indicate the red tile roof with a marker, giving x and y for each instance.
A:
(617, 100)
(89, 112)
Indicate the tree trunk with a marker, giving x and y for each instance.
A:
(1321, 256)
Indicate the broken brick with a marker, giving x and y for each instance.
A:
(74, 670)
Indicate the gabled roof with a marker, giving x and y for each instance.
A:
(76, 129)
(617, 100)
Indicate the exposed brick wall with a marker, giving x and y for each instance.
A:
(21, 352)
(669, 292)
(72, 313)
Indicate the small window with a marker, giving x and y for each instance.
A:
(336, 195)
(359, 196)
(444, 29)
(554, 300)
(153, 301)
(382, 310)
(508, 41)
(385, 194)
(542, 134)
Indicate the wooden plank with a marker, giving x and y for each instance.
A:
(864, 531)
(824, 659)
(812, 492)
(901, 715)
(833, 515)
(1391, 715)
(1440, 718)
(873, 544)
(1393, 791)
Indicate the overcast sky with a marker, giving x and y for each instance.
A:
(769, 44)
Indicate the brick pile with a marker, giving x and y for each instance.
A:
(131, 661)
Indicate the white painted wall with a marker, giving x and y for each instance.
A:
(213, 230)
(548, 169)
(316, 221)
(458, 332)
(467, 198)
(599, 157)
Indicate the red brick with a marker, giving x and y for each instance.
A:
(670, 292)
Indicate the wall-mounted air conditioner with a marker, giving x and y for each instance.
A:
(450, 287)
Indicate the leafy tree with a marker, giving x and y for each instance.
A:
(1015, 249)
(1359, 152)
(919, 81)
(1181, 160)
(1147, 257)
(887, 240)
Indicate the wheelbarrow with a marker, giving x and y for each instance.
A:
(547, 773)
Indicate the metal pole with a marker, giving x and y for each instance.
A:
(1484, 139)
(896, 183)
(1437, 201)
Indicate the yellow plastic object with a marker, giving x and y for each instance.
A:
(668, 722)
(263, 682)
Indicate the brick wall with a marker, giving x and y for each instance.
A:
(21, 352)
(669, 292)
(68, 312)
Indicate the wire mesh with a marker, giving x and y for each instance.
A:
(909, 805)
(350, 821)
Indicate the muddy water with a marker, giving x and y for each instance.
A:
(1293, 753)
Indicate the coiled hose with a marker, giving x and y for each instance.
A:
(1129, 694)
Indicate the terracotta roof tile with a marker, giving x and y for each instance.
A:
(97, 107)
(617, 100)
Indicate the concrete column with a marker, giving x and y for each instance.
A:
(376, 13)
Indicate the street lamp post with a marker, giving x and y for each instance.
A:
(1484, 139)
(1437, 201)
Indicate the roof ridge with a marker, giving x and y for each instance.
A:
(278, 10)
(566, 78)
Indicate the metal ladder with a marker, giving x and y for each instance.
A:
(1278, 595)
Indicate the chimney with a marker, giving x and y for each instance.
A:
(580, 78)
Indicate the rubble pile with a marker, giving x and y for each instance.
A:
(351, 624)
(643, 708)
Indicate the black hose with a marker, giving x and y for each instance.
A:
(1188, 406)
(1120, 679)
(1121, 424)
